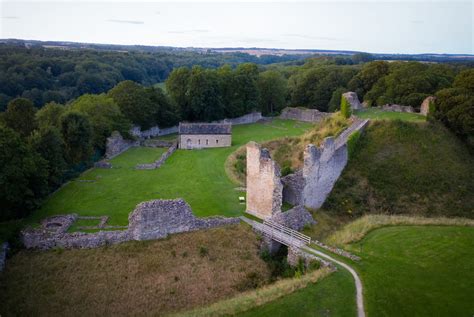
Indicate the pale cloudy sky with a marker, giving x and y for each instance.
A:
(372, 26)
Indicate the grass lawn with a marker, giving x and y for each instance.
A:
(377, 114)
(332, 296)
(417, 271)
(198, 176)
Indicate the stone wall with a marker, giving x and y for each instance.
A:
(425, 105)
(116, 144)
(397, 108)
(264, 187)
(295, 254)
(245, 119)
(296, 218)
(154, 219)
(322, 167)
(202, 141)
(303, 114)
(152, 132)
(353, 100)
(161, 160)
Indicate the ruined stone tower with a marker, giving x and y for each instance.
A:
(264, 187)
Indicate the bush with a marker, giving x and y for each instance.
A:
(352, 143)
(345, 108)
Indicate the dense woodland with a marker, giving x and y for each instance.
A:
(60, 106)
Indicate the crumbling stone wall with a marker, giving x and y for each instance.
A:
(245, 119)
(152, 132)
(264, 187)
(397, 108)
(353, 100)
(294, 254)
(296, 218)
(425, 105)
(293, 185)
(116, 144)
(303, 114)
(154, 219)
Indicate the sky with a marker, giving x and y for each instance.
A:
(369, 26)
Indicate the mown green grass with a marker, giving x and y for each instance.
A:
(377, 114)
(198, 176)
(332, 296)
(417, 271)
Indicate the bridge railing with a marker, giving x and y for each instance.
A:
(293, 234)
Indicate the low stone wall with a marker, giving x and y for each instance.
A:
(156, 143)
(303, 114)
(161, 160)
(295, 254)
(337, 250)
(397, 108)
(296, 218)
(154, 219)
(116, 144)
(245, 119)
(3, 255)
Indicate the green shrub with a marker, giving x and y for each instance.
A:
(203, 251)
(345, 108)
(352, 143)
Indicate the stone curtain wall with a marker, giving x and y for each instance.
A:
(264, 187)
(154, 219)
(116, 144)
(161, 160)
(353, 100)
(303, 114)
(397, 108)
(322, 167)
(152, 132)
(245, 119)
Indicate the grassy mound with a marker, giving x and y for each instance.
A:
(134, 278)
(406, 168)
(378, 114)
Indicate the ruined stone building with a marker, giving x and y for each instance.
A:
(204, 135)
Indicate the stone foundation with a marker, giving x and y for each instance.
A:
(161, 160)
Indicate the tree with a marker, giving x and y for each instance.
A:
(23, 176)
(104, 116)
(245, 89)
(205, 99)
(48, 144)
(20, 116)
(367, 77)
(49, 115)
(177, 88)
(272, 88)
(77, 135)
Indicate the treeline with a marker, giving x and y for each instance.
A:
(44, 75)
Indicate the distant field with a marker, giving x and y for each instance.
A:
(198, 176)
(377, 114)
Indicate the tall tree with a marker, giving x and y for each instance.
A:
(23, 176)
(77, 135)
(177, 88)
(20, 116)
(272, 88)
(49, 115)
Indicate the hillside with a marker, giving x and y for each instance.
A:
(406, 168)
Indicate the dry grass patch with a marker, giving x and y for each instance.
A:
(135, 278)
(252, 299)
(356, 230)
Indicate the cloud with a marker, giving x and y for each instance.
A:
(11, 18)
(417, 21)
(310, 37)
(125, 21)
(189, 31)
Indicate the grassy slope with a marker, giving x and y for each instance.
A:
(133, 278)
(377, 114)
(406, 168)
(418, 271)
(332, 296)
(198, 176)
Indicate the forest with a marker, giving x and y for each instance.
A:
(61, 105)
